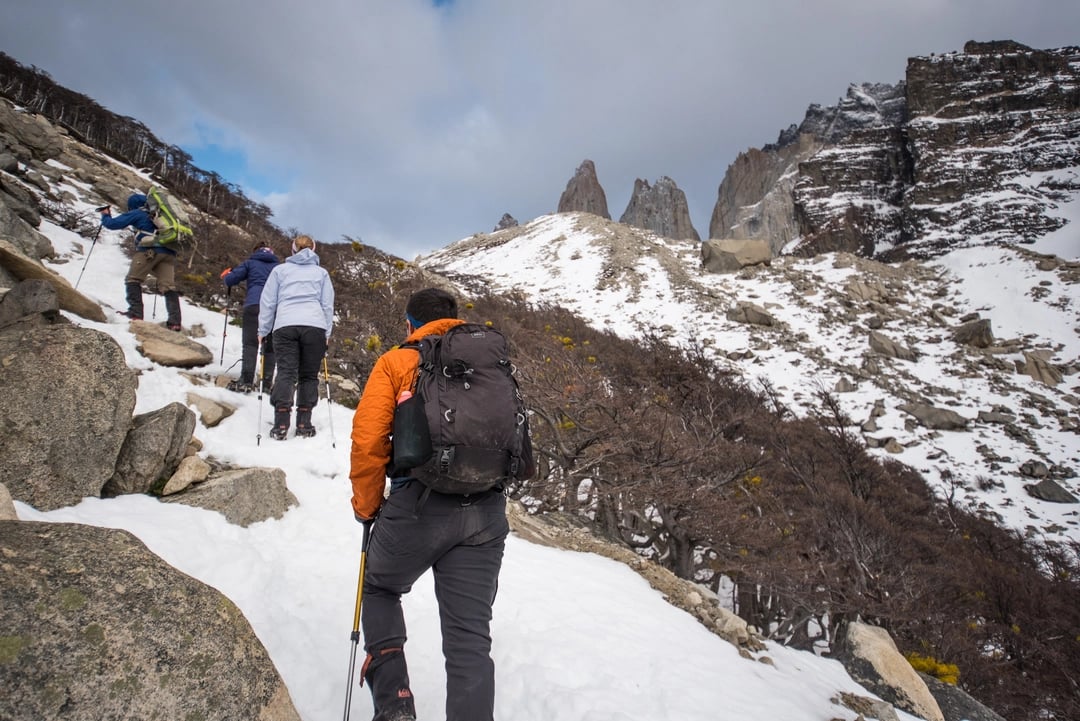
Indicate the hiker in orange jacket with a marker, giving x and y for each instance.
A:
(460, 538)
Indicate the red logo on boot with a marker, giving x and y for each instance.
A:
(404, 693)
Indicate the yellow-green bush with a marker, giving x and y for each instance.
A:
(947, 672)
(374, 343)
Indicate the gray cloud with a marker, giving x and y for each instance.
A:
(412, 126)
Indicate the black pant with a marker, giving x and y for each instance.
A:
(250, 334)
(461, 540)
(299, 350)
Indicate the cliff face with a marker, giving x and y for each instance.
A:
(993, 141)
(756, 198)
(661, 208)
(973, 147)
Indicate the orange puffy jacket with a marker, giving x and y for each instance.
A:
(373, 421)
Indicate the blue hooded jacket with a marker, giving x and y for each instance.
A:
(138, 219)
(255, 270)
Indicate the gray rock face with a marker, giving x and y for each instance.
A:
(243, 496)
(98, 627)
(661, 208)
(85, 390)
(975, 333)
(971, 113)
(21, 267)
(940, 419)
(871, 657)
(31, 130)
(956, 704)
(31, 300)
(1049, 490)
(584, 194)
(945, 156)
(728, 256)
(152, 450)
(755, 200)
(169, 348)
(506, 221)
(18, 234)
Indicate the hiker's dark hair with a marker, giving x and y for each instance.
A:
(260, 244)
(430, 304)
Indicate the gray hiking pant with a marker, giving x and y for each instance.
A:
(461, 540)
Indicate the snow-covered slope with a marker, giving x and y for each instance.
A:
(576, 636)
(825, 310)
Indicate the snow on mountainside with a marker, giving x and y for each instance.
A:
(878, 336)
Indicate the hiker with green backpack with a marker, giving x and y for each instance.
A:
(157, 224)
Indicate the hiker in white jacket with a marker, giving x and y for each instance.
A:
(297, 306)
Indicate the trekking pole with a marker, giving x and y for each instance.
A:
(262, 375)
(326, 373)
(225, 330)
(355, 635)
(92, 244)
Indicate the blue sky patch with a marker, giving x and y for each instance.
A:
(233, 167)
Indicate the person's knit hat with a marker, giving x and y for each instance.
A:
(303, 241)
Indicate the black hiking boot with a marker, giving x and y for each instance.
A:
(304, 428)
(281, 423)
(240, 387)
(133, 293)
(172, 307)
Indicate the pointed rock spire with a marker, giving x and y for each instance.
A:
(583, 193)
(661, 208)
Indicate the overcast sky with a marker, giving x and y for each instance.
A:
(413, 123)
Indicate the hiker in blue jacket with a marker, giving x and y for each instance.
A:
(254, 271)
(150, 257)
(297, 306)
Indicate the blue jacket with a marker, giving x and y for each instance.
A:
(297, 292)
(139, 220)
(255, 270)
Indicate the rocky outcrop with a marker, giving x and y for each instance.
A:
(956, 704)
(661, 208)
(96, 626)
(727, 256)
(29, 135)
(755, 200)
(152, 450)
(870, 655)
(833, 208)
(69, 433)
(21, 267)
(971, 147)
(169, 348)
(506, 221)
(244, 495)
(85, 390)
(584, 194)
(983, 122)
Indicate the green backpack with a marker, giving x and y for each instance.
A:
(169, 216)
